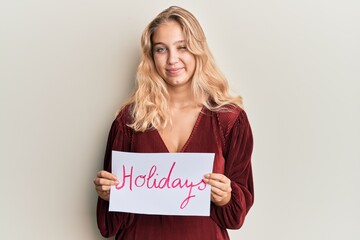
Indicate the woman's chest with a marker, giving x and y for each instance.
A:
(204, 138)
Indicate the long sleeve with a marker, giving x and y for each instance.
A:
(238, 144)
(110, 223)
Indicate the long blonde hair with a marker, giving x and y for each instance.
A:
(149, 102)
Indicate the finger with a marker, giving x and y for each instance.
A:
(216, 198)
(219, 181)
(218, 192)
(215, 184)
(102, 191)
(104, 181)
(102, 188)
(222, 191)
(219, 195)
(218, 177)
(107, 175)
(220, 199)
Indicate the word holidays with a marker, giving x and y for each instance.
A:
(151, 181)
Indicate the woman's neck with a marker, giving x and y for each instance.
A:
(182, 98)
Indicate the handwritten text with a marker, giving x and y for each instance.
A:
(151, 180)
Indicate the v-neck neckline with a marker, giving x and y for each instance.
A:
(190, 136)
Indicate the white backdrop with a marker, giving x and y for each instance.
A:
(65, 67)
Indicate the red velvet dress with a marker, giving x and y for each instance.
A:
(228, 135)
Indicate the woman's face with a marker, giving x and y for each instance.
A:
(174, 63)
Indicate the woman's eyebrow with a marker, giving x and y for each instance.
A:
(161, 43)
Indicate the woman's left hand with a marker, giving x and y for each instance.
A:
(220, 188)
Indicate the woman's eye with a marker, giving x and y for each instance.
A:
(182, 47)
(160, 50)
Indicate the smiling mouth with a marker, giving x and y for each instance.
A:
(173, 71)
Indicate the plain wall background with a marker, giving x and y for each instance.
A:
(66, 66)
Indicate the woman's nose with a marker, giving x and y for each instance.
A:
(173, 57)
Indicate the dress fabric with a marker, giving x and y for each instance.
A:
(227, 133)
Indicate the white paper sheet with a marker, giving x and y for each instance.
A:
(161, 183)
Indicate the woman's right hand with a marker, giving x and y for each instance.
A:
(103, 182)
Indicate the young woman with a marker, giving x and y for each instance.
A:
(181, 104)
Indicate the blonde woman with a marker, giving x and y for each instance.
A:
(181, 104)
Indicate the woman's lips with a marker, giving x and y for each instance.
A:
(173, 71)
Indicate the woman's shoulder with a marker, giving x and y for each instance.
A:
(229, 115)
(123, 116)
(230, 112)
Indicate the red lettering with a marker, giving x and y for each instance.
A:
(176, 183)
(118, 186)
(203, 184)
(166, 180)
(187, 199)
(150, 181)
(151, 174)
(143, 180)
